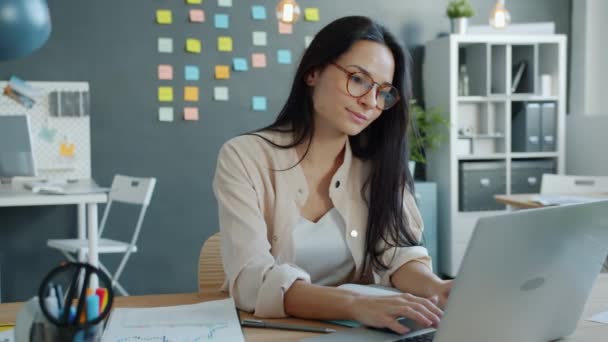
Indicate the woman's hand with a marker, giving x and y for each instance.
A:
(382, 312)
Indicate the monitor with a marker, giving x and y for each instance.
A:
(16, 153)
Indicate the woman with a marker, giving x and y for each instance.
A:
(322, 196)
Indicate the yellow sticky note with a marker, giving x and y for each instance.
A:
(67, 150)
(190, 93)
(194, 2)
(311, 14)
(222, 72)
(165, 94)
(163, 16)
(193, 45)
(224, 44)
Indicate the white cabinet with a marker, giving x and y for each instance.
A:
(510, 121)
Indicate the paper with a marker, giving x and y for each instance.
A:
(564, 199)
(165, 114)
(190, 93)
(258, 60)
(259, 103)
(311, 14)
(224, 3)
(307, 41)
(258, 12)
(222, 72)
(163, 16)
(285, 28)
(165, 94)
(7, 335)
(193, 45)
(220, 93)
(601, 317)
(191, 113)
(221, 21)
(224, 44)
(165, 72)
(165, 45)
(196, 16)
(284, 56)
(194, 2)
(208, 321)
(239, 64)
(191, 73)
(259, 38)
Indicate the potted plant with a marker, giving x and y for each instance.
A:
(426, 131)
(459, 11)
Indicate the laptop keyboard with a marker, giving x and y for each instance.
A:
(428, 337)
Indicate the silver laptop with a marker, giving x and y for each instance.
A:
(526, 276)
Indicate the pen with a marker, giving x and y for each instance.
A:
(254, 323)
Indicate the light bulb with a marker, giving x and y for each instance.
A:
(500, 16)
(288, 11)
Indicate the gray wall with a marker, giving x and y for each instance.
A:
(112, 45)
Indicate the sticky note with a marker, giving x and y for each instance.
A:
(193, 45)
(220, 93)
(285, 28)
(194, 2)
(191, 113)
(196, 16)
(284, 56)
(165, 114)
(224, 44)
(258, 60)
(163, 16)
(190, 93)
(165, 72)
(165, 45)
(221, 21)
(307, 41)
(191, 73)
(258, 12)
(259, 38)
(311, 14)
(47, 134)
(165, 94)
(239, 64)
(222, 72)
(258, 103)
(224, 3)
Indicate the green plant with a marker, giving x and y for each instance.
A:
(460, 9)
(427, 130)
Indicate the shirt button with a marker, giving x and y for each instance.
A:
(353, 233)
(300, 191)
(337, 184)
(274, 238)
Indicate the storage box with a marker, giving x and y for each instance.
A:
(479, 182)
(526, 175)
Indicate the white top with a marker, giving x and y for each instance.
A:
(321, 249)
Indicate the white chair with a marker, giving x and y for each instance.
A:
(569, 184)
(124, 189)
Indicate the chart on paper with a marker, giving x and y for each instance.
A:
(208, 321)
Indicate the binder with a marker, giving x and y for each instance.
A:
(526, 129)
(548, 115)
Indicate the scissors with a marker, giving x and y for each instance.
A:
(77, 276)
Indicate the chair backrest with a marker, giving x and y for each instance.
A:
(132, 190)
(210, 269)
(569, 184)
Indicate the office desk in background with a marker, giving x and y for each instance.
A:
(527, 201)
(585, 332)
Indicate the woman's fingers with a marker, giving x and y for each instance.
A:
(395, 326)
(428, 304)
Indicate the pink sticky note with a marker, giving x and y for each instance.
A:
(191, 113)
(258, 60)
(197, 16)
(165, 72)
(285, 28)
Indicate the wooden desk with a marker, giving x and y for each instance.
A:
(525, 201)
(586, 331)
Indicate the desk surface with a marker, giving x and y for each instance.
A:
(526, 201)
(586, 331)
(16, 195)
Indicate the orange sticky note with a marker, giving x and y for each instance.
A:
(222, 72)
(193, 45)
(285, 28)
(163, 16)
(190, 93)
(258, 60)
(191, 113)
(165, 72)
(224, 44)
(165, 94)
(196, 16)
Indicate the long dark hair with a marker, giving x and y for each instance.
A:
(383, 142)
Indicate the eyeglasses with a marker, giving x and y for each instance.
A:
(358, 84)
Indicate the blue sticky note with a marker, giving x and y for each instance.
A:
(221, 21)
(284, 56)
(258, 12)
(191, 73)
(259, 103)
(239, 64)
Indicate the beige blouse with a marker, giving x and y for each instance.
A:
(259, 208)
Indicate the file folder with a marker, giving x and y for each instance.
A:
(548, 115)
(526, 129)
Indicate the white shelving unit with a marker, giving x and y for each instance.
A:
(481, 129)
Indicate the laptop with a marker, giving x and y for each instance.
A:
(526, 276)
